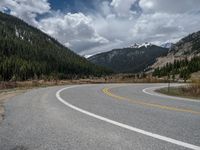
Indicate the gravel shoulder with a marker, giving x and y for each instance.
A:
(6, 95)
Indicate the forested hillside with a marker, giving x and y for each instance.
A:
(183, 68)
(28, 53)
(183, 58)
(187, 47)
(130, 60)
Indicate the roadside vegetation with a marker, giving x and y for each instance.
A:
(114, 78)
(191, 90)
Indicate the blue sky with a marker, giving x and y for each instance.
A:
(93, 26)
(73, 6)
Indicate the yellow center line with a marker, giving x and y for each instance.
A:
(107, 92)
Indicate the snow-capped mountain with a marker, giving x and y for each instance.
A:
(188, 47)
(130, 59)
(167, 45)
(136, 45)
(87, 56)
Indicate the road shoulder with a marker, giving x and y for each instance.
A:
(153, 92)
(6, 95)
(177, 92)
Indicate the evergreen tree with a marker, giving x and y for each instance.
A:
(26, 53)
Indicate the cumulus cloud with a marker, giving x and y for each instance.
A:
(114, 23)
(164, 27)
(122, 8)
(169, 6)
(73, 30)
(26, 10)
(160, 21)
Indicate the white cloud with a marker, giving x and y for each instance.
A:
(105, 8)
(160, 21)
(75, 30)
(116, 23)
(169, 6)
(121, 7)
(26, 9)
(165, 27)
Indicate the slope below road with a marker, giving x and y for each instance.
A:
(38, 120)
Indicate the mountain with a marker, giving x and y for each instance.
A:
(167, 45)
(136, 45)
(188, 47)
(87, 56)
(27, 53)
(182, 59)
(130, 60)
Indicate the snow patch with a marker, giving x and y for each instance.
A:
(16, 32)
(167, 45)
(87, 56)
(136, 45)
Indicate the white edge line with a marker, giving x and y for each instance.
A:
(166, 96)
(156, 136)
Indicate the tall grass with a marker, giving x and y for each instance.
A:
(191, 90)
(194, 87)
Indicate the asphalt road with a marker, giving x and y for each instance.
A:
(100, 117)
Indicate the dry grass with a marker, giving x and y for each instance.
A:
(192, 90)
(118, 78)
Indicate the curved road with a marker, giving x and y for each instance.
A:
(103, 116)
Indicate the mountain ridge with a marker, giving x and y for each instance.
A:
(187, 47)
(136, 45)
(182, 60)
(167, 45)
(129, 60)
(27, 53)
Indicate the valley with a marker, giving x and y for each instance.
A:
(99, 75)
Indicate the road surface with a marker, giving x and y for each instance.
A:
(100, 117)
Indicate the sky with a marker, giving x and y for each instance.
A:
(92, 26)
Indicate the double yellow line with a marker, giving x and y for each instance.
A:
(107, 92)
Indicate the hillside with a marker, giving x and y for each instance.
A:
(188, 47)
(129, 60)
(27, 53)
(183, 58)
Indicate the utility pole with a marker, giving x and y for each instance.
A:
(168, 82)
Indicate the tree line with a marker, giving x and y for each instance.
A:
(184, 68)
